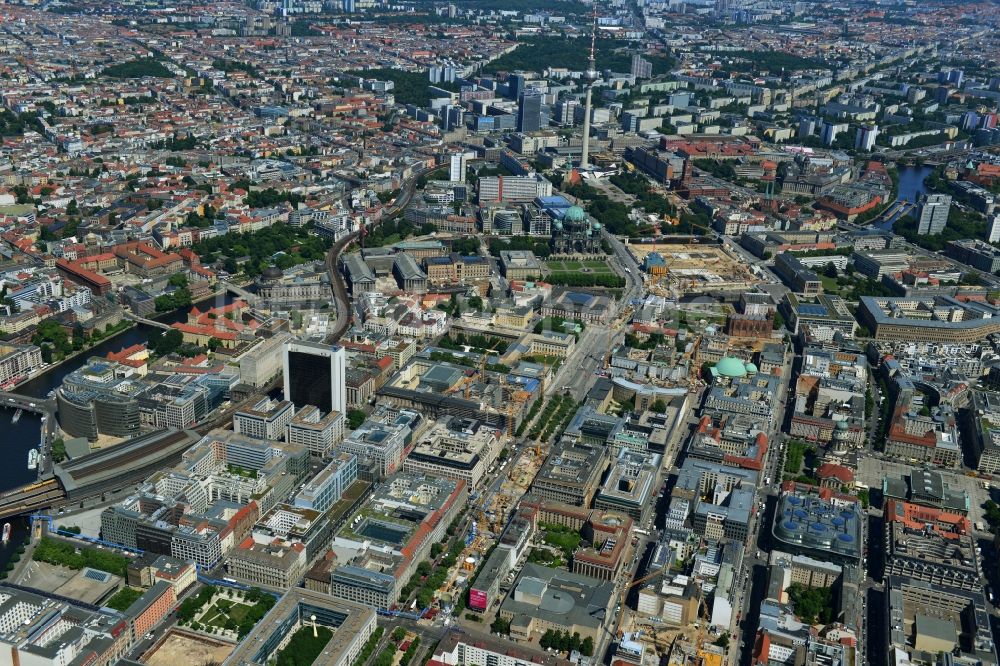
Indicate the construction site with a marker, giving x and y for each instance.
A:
(675, 270)
(490, 514)
(649, 639)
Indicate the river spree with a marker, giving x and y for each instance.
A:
(911, 186)
(19, 438)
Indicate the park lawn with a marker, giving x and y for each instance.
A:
(592, 266)
(218, 615)
(214, 618)
(829, 284)
(238, 612)
(561, 266)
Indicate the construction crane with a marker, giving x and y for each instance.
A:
(691, 238)
(481, 367)
(462, 385)
(628, 588)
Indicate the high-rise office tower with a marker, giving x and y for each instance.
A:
(934, 209)
(529, 112)
(457, 165)
(314, 375)
(515, 84)
(452, 116)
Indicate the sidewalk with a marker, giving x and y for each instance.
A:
(15, 574)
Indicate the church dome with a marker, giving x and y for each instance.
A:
(751, 368)
(575, 214)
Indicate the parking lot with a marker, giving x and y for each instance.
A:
(871, 471)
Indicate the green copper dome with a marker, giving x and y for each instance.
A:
(751, 368)
(731, 367)
(575, 214)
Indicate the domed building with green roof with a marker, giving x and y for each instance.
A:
(575, 233)
(730, 367)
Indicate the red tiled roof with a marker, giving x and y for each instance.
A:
(834, 471)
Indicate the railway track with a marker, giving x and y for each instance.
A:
(44, 494)
(34, 496)
(340, 295)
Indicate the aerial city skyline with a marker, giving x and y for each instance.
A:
(499, 333)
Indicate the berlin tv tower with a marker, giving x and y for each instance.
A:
(590, 76)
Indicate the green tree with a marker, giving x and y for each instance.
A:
(58, 449)
(779, 321)
(658, 407)
(124, 598)
(812, 604)
(500, 626)
(57, 551)
(355, 417)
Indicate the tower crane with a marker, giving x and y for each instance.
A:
(481, 366)
(628, 588)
